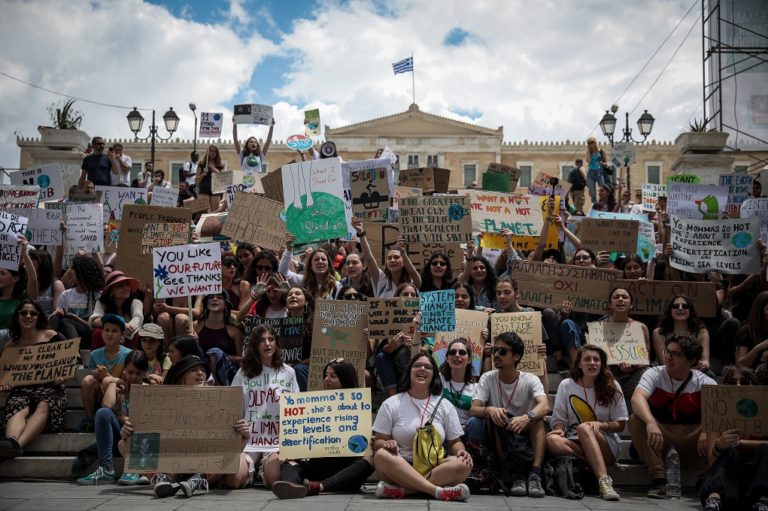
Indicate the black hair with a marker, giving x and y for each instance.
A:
(44, 269)
(435, 386)
(251, 363)
(427, 281)
(445, 368)
(470, 292)
(690, 346)
(345, 371)
(227, 306)
(90, 275)
(345, 288)
(667, 323)
(514, 342)
(490, 276)
(250, 273)
(14, 329)
(138, 359)
(187, 345)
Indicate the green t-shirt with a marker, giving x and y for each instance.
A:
(7, 308)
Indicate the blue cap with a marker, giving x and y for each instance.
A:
(114, 319)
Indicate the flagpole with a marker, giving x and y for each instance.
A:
(413, 80)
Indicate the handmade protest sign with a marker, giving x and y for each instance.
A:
(757, 208)
(199, 205)
(253, 114)
(651, 193)
(469, 326)
(528, 326)
(163, 235)
(272, 182)
(133, 258)
(115, 198)
(548, 285)
(315, 206)
(622, 342)
(299, 142)
(185, 429)
(370, 194)
(609, 234)
(541, 185)
(39, 363)
(646, 237)
(44, 226)
(404, 191)
(290, 335)
(727, 246)
(210, 225)
(492, 181)
(389, 316)
(739, 190)
(78, 196)
(85, 228)
(699, 202)
(221, 180)
(19, 196)
(187, 270)
(383, 237)
(650, 297)
(688, 179)
(429, 179)
(438, 311)
(210, 124)
(326, 423)
(11, 227)
(256, 220)
(741, 407)
(47, 177)
(312, 127)
(493, 211)
(13, 224)
(440, 219)
(232, 190)
(338, 332)
(165, 197)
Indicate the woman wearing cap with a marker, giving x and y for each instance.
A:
(189, 371)
(220, 340)
(117, 298)
(151, 344)
(30, 409)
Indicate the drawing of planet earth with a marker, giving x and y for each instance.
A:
(742, 240)
(357, 443)
(325, 219)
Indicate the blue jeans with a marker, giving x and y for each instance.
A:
(570, 334)
(302, 376)
(594, 178)
(391, 366)
(107, 429)
(475, 431)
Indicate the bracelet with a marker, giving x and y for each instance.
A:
(361, 234)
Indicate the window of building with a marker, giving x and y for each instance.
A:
(653, 172)
(565, 168)
(526, 173)
(741, 167)
(413, 161)
(432, 160)
(175, 171)
(470, 173)
(136, 167)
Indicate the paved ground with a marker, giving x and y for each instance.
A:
(62, 496)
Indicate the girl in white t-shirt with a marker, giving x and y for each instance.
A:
(456, 376)
(251, 156)
(588, 414)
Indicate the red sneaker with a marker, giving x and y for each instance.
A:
(458, 492)
(389, 491)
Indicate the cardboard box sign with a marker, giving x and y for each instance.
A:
(39, 363)
(650, 297)
(622, 342)
(255, 219)
(609, 235)
(389, 316)
(528, 326)
(382, 237)
(199, 205)
(436, 219)
(742, 407)
(273, 185)
(507, 170)
(429, 179)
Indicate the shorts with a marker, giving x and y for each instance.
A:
(255, 461)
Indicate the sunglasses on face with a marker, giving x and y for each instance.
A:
(33, 314)
(230, 264)
(352, 296)
(501, 351)
(261, 267)
(683, 306)
(439, 263)
(461, 353)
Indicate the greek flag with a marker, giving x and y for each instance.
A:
(403, 66)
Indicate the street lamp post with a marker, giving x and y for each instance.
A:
(136, 121)
(608, 125)
(193, 107)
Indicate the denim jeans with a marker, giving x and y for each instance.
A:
(570, 334)
(302, 376)
(475, 431)
(107, 429)
(594, 178)
(391, 366)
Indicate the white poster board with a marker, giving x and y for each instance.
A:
(186, 270)
(210, 124)
(726, 246)
(47, 177)
(85, 228)
(165, 197)
(253, 114)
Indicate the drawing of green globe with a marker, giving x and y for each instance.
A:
(43, 181)
(252, 161)
(746, 408)
(742, 240)
(325, 219)
(249, 180)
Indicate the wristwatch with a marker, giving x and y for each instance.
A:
(531, 416)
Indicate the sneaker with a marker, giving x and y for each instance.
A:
(658, 490)
(534, 486)
(757, 506)
(289, 490)
(518, 488)
(86, 425)
(389, 491)
(10, 448)
(99, 476)
(459, 492)
(606, 489)
(195, 484)
(313, 487)
(129, 479)
(712, 504)
(163, 486)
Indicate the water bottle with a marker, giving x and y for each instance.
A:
(673, 473)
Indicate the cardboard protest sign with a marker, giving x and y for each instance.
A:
(133, 258)
(79, 197)
(757, 208)
(382, 237)
(541, 186)
(688, 179)
(163, 235)
(232, 190)
(115, 198)
(221, 180)
(185, 429)
(404, 191)
(199, 205)
(493, 182)
(253, 114)
(389, 316)
(210, 124)
(548, 285)
(326, 423)
(528, 326)
(651, 194)
(609, 235)
(272, 182)
(312, 126)
(44, 226)
(443, 219)
(47, 177)
(85, 228)
(469, 326)
(622, 342)
(256, 220)
(650, 297)
(315, 206)
(210, 225)
(739, 190)
(338, 332)
(699, 202)
(646, 234)
(165, 197)
(11, 227)
(429, 179)
(39, 363)
(290, 334)
(370, 194)
(727, 246)
(438, 311)
(741, 407)
(187, 270)
(19, 196)
(494, 211)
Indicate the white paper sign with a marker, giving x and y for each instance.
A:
(47, 177)
(739, 190)
(698, 202)
(44, 226)
(186, 270)
(757, 208)
(727, 246)
(651, 194)
(210, 124)
(253, 114)
(85, 228)
(11, 227)
(115, 197)
(166, 197)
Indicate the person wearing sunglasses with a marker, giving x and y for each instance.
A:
(437, 273)
(31, 409)
(666, 410)
(680, 318)
(230, 283)
(349, 292)
(456, 376)
(97, 167)
(515, 401)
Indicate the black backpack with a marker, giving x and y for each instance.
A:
(568, 477)
(576, 179)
